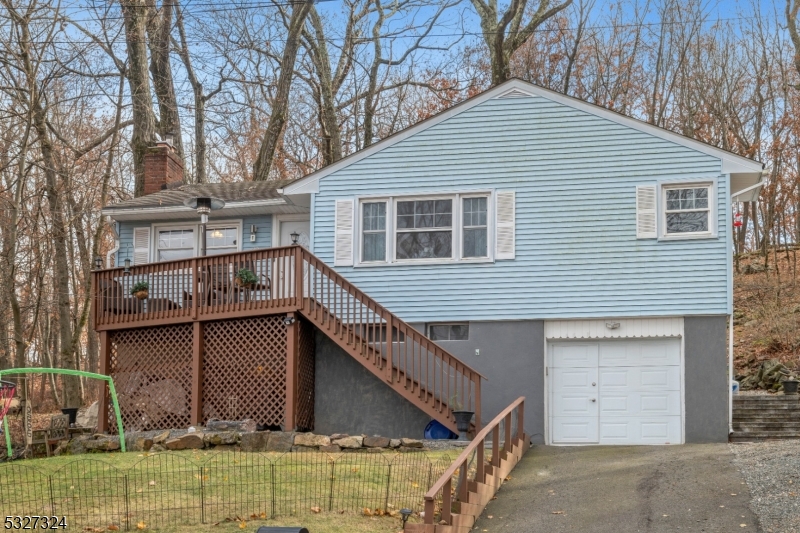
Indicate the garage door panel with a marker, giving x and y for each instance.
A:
(640, 430)
(574, 379)
(666, 403)
(639, 353)
(640, 378)
(574, 356)
(571, 430)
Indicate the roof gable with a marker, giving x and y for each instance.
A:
(514, 89)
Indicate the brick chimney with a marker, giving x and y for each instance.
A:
(162, 167)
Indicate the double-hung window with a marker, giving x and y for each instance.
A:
(174, 244)
(687, 210)
(445, 227)
(373, 245)
(424, 229)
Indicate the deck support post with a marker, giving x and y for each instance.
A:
(197, 373)
(292, 370)
(105, 369)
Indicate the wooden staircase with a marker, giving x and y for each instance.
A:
(413, 365)
(762, 417)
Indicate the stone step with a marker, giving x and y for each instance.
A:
(766, 405)
(739, 436)
(767, 425)
(765, 397)
(771, 413)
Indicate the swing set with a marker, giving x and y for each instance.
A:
(7, 389)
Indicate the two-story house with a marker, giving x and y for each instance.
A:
(551, 248)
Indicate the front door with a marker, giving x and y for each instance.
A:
(285, 283)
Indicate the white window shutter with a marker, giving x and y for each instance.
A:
(505, 215)
(141, 246)
(646, 212)
(343, 243)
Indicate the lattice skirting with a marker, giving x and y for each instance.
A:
(244, 373)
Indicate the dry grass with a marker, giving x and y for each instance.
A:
(767, 313)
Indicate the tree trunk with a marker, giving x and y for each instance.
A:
(280, 105)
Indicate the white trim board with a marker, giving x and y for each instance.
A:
(629, 328)
(730, 163)
(276, 225)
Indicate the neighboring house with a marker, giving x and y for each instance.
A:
(569, 254)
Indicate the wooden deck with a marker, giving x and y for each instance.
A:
(292, 282)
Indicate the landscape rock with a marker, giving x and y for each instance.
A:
(158, 448)
(310, 440)
(161, 438)
(394, 443)
(220, 438)
(337, 436)
(143, 444)
(254, 442)
(376, 442)
(333, 448)
(280, 441)
(243, 426)
(106, 444)
(350, 442)
(190, 441)
(411, 443)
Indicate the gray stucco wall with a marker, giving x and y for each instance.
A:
(706, 364)
(512, 359)
(350, 399)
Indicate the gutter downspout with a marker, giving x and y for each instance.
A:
(115, 249)
(730, 376)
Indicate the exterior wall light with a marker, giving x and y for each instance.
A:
(288, 320)
(295, 236)
(127, 265)
(98, 263)
(612, 325)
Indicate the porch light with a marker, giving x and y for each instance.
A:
(405, 513)
(204, 205)
(294, 235)
(98, 263)
(127, 265)
(288, 320)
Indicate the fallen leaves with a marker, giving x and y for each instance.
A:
(316, 510)
(152, 483)
(141, 525)
(113, 527)
(242, 524)
(557, 512)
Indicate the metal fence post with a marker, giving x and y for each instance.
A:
(50, 490)
(330, 496)
(388, 484)
(272, 480)
(127, 503)
(202, 495)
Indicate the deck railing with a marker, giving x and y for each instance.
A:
(290, 279)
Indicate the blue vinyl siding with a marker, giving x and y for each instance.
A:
(263, 233)
(575, 177)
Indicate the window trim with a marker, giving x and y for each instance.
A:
(158, 226)
(711, 184)
(431, 324)
(457, 229)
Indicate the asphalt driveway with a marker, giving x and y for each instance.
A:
(599, 489)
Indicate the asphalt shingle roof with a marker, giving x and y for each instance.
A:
(248, 191)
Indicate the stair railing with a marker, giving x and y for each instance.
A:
(405, 355)
(501, 462)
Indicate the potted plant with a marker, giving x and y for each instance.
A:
(245, 278)
(463, 418)
(790, 384)
(140, 289)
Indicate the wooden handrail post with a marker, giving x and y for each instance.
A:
(197, 373)
(507, 443)
(430, 510)
(480, 462)
(521, 423)
(298, 276)
(292, 366)
(389, 345)
(105, 369)
(447, 501)
(463, 482)
(495, 448)
(477, 403)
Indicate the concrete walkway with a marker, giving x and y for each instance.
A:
(599, 489)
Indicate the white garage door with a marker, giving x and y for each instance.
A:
(615, 392)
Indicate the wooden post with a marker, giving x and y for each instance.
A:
(197, 372)
(105, 369)
(292, 366)
(298, 277)
(389, 344)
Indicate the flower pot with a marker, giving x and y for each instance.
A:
(241, 283)
(790, 386)
(463, 418)
(142, 295)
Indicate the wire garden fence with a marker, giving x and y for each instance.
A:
(168, 489)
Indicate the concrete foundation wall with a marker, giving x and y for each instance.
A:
(348, 398)
(512, 359)
(706, 386)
